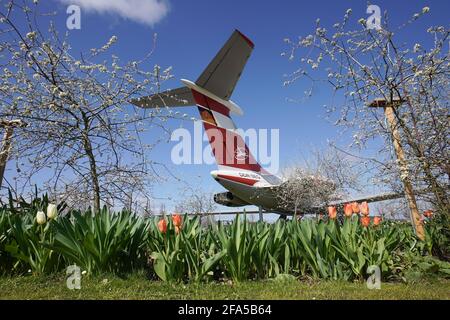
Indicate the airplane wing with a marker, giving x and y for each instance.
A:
(271, 191)
(374, 198)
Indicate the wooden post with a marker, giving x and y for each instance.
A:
(409, 192)
(4, 153)
(9, 126)
(261, 217)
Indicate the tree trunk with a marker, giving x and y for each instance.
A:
(92, 164)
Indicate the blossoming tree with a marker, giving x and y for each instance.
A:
(361, 64)
(83, 137)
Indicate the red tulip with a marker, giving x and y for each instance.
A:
(355, 207)
(365, 221)
(348, 211)
(162, 226)
(177, 220)
(364, 208)
(377, 220)
(428, 213)
(332, 212)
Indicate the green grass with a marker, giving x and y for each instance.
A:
(138, 287)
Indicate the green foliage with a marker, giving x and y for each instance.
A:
(104, 242)
(5, 262)
(424, 267)
(123, 242)
(190, 254)
(24, 244)
(31, 245)
(438, 236)
(237, 245)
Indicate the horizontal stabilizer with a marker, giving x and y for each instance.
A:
(171, 98)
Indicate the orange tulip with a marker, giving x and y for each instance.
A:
(355, 207)
(348, 211)
(162, 226)
(177, 220)
(365, 221)
(377, 220)
(332, 212)
(428, 213)
(364, 208)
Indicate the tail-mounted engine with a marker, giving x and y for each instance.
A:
(229, 200)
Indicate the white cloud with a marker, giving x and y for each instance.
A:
(143, 11)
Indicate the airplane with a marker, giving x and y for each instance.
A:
(246, 182)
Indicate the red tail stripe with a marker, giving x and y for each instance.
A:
(246, 181)
(250, 42)
(225, 150)
(207, 102)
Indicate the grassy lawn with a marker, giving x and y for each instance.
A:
(138, 287)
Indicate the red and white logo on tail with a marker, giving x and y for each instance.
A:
(229, 148)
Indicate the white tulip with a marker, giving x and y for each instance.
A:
(40, 217)
(52, 211)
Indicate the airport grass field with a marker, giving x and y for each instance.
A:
(137, 286)
(124, 256)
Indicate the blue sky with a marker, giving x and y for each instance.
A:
(191, 32)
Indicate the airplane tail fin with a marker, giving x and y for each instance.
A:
(228, 146)
(223, 72)
(219, 78)
(211, 93)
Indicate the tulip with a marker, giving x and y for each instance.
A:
(355, 207)
(162, 226)
(52, 211)
(348, 211)
(332, 212)
(421, 220)
(177, 220)
(40, 217)
(377, 220)
(428, 213)
(364, 208)
(365, 221)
